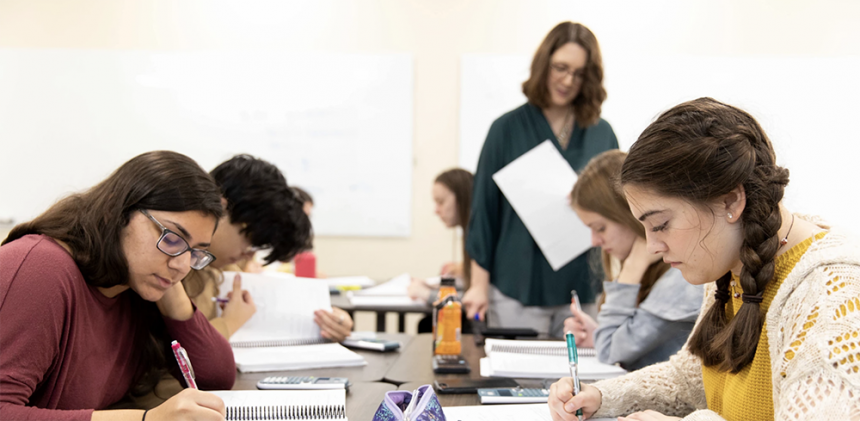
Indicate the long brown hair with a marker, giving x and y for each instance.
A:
(91, 224)
(586, 105)
(596, 190)
(701, 150)
(460, 182)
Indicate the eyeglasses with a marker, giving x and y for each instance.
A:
(172, 244)
(561, 71)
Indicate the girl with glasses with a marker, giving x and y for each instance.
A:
(90, 298)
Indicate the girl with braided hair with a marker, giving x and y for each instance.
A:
(779, 332)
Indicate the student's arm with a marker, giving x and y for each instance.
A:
(187, 405)
(484, 221)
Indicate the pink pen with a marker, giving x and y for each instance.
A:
(184, 364)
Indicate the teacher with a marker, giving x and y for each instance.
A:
(511, 278)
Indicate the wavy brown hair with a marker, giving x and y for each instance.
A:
(596, 190)
(586, 105)
(460, 183)
(699, 151)
(91, 224)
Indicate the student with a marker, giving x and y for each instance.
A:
(261, 213)
(90, 297)
(510, 275)
(777, 338)
(648, 309)
(452, 193)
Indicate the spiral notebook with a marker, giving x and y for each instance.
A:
(282, 334)
(541, 360)
(325, 405)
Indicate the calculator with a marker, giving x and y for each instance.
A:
(303, 383)
(513, 395)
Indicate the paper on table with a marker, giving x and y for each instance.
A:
(536, 412)
(537, 185)
(285, 307)
(296, 357)
(397, 286)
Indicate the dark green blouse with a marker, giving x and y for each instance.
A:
(499, 241)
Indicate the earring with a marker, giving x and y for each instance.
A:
(730, 215)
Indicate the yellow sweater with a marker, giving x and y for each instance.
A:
(748, 394)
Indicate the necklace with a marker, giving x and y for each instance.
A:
(784, 240)
(563, 135)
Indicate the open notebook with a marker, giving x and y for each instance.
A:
(284, 404)
(282, 334)
(531, 412)
(540, 360)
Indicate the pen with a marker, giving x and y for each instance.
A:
(573, 361)
(220, 300)
(184, 364)
(574, 298)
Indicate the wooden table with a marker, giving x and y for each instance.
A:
(342, 302)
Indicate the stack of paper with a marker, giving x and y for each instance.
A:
(540, 360)
(282, 334)
(531, 412)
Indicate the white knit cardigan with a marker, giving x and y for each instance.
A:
(821, 381)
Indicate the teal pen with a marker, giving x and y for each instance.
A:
(573, 362)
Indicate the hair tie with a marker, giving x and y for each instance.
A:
(722, 296)
(750, 298)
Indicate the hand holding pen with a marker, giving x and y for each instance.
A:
(566, 404)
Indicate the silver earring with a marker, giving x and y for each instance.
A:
(730, 215)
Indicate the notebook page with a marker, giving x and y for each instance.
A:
(542, 366)
(556, 348)
(298, 357)
(288, 404)
(536, 412)
(285, 307)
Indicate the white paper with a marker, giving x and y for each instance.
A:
(538, 184)
(397, 286)
(285, 307)
(296, 357)
(530, 412)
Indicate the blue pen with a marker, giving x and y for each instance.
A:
(573, 362)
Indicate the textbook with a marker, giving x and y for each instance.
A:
(243, 405)
(282, 334)
(531, 412)
(541, 360)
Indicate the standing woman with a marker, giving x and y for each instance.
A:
(510, 275)
(90, 298)
(779, 334)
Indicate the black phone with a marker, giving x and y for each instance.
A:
(509, 333)
(453, 364)
(462, 386)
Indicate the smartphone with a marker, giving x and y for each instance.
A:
(463, 386)
(452, 364)
(373, 344)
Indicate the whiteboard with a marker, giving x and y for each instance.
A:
(338, 125)
(807, 106)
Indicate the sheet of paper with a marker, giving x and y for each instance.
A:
(296, 357)
(397, 286)
(531, 412)
(285, 307)
(537, 184)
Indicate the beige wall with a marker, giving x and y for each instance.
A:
(436, 33)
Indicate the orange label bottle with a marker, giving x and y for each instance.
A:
(447, 319)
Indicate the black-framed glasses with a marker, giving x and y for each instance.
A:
(172, 244)
(561, 70)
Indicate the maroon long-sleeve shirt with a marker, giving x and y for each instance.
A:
(66, 349)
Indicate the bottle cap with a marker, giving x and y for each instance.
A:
(447, 282)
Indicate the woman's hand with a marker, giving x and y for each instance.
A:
(563, 405)
(648, 416)
(335, 325)
(418, 290)
(189, 404)
(582, 326)
(240, 308)
(477, 301)
(635, 265)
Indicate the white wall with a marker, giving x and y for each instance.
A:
(437, 33)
